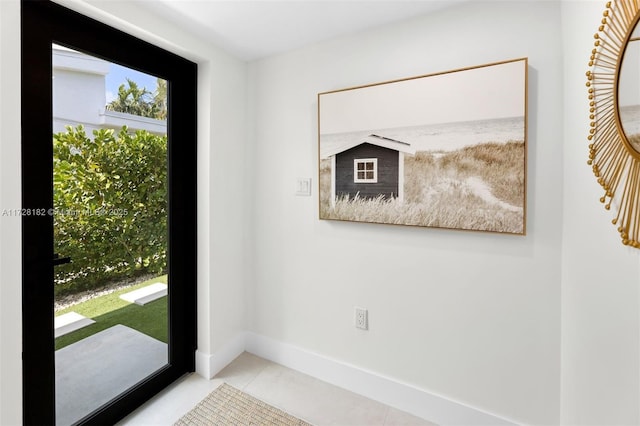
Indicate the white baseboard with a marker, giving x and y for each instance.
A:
(402, 396)
(208, 365)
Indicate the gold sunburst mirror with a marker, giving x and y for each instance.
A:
(614, 94)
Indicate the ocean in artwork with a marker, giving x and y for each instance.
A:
(442, 137)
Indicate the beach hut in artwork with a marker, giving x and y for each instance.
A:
(369, 167)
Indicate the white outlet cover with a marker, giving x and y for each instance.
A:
(361, 318)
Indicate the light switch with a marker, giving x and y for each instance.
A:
(303, 187)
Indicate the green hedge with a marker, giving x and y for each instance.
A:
(110, 200)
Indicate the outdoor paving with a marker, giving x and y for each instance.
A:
(146, 294)
(69, 322)
(91, 372)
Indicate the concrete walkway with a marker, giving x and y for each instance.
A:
(91, 372)
(71, 321)
(147, 294)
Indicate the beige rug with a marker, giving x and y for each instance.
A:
(228, 406)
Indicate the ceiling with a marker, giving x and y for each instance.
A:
(259, 28)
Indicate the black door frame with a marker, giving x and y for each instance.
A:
(44, 23)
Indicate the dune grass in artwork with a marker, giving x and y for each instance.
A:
(480, 187)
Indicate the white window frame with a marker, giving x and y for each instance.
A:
(357, 161)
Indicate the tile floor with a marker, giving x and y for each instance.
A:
(301, 395)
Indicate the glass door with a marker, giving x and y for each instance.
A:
(110, 198)
(108, 181)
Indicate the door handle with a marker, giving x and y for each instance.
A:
(57, 260)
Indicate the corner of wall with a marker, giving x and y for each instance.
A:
(210, 364)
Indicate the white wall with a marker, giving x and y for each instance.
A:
(600, 312)
(474, 317)
(221, 146)
(10, 258)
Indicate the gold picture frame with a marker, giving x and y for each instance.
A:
(614, 154)
(445, 150)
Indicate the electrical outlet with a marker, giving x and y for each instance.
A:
(362, 318)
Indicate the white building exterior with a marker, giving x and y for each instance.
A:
(79, 96)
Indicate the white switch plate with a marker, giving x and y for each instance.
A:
(303, 186)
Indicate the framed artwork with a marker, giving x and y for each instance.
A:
(444, 150)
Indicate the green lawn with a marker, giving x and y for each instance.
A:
(110, 310)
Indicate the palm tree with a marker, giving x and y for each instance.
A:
(160, 98)
(139, 101)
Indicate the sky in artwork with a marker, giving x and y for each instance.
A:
(487, 92)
